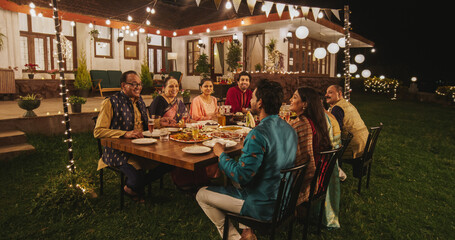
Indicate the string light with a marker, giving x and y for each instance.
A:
(108, 22)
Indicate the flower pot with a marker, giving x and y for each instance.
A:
(31, 76)
(83, 93)
(53, 76)
(29, 105)
(76, 108)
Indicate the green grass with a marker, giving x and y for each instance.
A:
(410, 195)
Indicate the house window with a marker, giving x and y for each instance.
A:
(103, 43)
(157, 49)
(131, 47)
(39, 45)
(302, 60)
(192, 53)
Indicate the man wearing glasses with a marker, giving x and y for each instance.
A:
(124, 115)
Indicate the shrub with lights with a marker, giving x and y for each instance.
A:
(446, 91)
(381, 85)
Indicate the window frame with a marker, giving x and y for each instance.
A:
(189, 66)
(131, 43)
(164, 50)
(104, 40)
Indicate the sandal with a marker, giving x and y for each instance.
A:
(131, 194)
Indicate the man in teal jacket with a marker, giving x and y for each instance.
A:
(268, 148)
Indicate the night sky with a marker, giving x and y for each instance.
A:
(410, 40)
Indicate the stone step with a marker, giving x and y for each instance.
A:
(12, 137)
(11, 151)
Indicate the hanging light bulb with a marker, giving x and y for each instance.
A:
(141, 30)
(190, 32)
(32, 5)
(359, 58)
(148, 9)
(108, 22)
(153, 11)
(333, 48)
(302, 32)
(158, 32)
(228, 5)
(147, 22)
(72, 24)
(208, 30)
(130, 18)
(174, 34)
(243, 22)
(33, 12)
(90, 25)
(342, 42)
(320, 53)
(352, 68)
(320, 15)
(366, 73)
(224, 27)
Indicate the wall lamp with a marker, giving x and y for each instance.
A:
(288, 36)
(120, 36)
(200, 44)
(235, 39)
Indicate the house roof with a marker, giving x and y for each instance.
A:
(181, 15)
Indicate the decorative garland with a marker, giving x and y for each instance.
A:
(382, 86)
(447, 91)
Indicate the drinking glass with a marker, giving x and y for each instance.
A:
(151, 123)
(195, 133)
(164, 135)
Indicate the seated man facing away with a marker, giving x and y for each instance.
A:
(239, 96)
(349, 120)
(268, 148)
(124, 115)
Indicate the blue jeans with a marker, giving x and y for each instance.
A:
(138, 179)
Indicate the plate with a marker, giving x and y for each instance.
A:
(172, 129)
(155, 133)
(187, 138)
(196, 149)
(147, 134)
(227, 143)
(143, 140)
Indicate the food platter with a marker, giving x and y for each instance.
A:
(188, 138)
(226, 135)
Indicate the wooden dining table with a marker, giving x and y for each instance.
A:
(169, 152)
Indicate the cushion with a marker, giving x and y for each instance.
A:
(114, 78)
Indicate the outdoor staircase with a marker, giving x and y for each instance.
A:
(13, 143)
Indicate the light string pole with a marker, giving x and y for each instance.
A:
(347, 57)
(64, 90)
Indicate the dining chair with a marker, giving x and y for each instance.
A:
(288, 192)
(361, 166)
(318, 187)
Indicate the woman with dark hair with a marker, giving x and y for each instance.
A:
(167, 106)
(204, 106)
(313, 128)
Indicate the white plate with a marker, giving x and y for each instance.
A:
(196, 149)
(143, 140)
(147, 134)
(172, 129)
(227, 143)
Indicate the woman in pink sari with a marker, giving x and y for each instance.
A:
(167, 106)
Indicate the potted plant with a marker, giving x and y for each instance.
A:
(233, 55)
(146, 78)
(29, 103)
(52, 72)
(257, 67)
(185, 95)
(94, 33)
(76, 103)
(203, 66)
(82, 80)
(31, 68)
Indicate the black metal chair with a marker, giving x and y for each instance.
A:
(319, 185)
(288, 193)
(361, 166)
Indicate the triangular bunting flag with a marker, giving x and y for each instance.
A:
(236, 4)
(217, 3)
(268, 7)
(336, 13)
(291, 12)
(315, 13)
(251, 4)
(279, 8)
(197, 2)
(305, 11)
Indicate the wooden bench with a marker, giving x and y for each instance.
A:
(105, 80)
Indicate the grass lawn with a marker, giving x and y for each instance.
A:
(410, 195)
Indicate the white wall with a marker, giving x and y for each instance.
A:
(10, 55)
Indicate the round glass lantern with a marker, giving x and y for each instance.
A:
(302, 32)
(352, 68)
(366, 73)
(333, 48)
(342, 42)
(320, 53)
(359, 58)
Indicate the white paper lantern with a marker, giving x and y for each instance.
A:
(320, 53)
(333, 48)
(366, 73)
(302, 32)
(352, 68)
(359, 58)
(342, 42)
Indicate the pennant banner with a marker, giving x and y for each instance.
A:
(268, 7)
(315, 13)
(236, 4)
(336, 13)
(217, 4)
(305, 11)
(279, 8)
(251, 4)
(197, 2)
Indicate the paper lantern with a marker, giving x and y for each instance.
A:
(333, 48)
(359, 58)
(320, 53)
(302, 32)
(366, 73)
(342, 42)
(352, 68)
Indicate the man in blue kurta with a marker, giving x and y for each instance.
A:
(268, 148)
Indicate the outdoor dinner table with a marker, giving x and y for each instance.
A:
(169, 152)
